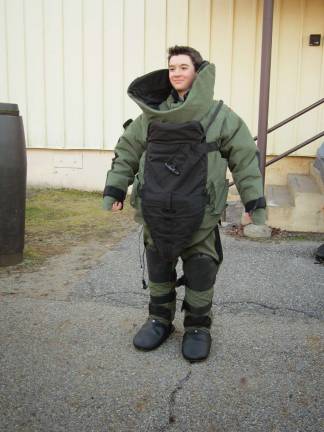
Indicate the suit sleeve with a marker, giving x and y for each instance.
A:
(239, 148)
(128, 152)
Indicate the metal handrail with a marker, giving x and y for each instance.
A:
(299, 146)
(293, 117)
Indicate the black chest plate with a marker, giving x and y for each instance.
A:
(174, 192)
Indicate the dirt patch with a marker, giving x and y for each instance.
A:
(231, 225)
(66, 234)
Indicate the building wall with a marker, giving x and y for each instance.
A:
(68, 63)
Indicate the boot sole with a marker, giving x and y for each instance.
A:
(152, 349)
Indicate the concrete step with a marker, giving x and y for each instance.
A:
(315, 174)
(279, 196)
(299, 206)
(280, 205)
(305, 191)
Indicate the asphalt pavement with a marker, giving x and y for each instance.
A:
(70, 365)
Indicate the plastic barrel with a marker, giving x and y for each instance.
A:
(12, 185)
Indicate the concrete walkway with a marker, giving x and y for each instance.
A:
(70, 365)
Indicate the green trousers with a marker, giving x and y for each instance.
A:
(201, 263)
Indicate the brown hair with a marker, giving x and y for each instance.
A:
(195, 56)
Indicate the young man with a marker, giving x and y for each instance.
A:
(176, 154)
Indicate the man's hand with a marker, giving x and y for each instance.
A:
(110, 204)
(254, 224)
(117, 206)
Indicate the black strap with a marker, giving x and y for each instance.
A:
(218, 245)
(114, 192)
(214, 115)
(181, 281)
(196, 310)
(127, 123)
(166, 298)
(159, 311)
(213, 146)
(255, 204)
(197, 321)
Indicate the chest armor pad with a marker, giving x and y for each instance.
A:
(174, 194)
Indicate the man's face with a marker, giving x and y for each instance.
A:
(181, 73)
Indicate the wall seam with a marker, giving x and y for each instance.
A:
(188, 20)
(44, 76)
(210, 28)
(320, 113)
(299, 66)
(166, 26)
(123, 62)
(26, 75)
(103, 10)
(232, 49)
(64, 144)
(277, 11)
(144, 34)
(83, 75)
(256, 53)
(6, 45)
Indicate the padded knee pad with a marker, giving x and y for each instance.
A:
(159, 270)
(200, 272)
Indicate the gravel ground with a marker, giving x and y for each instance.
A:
(67, 362)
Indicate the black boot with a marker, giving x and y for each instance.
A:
(196, 345)
(152, 334)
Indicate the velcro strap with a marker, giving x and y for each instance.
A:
(166, 298)
(255, 204)
(197, 321)
(213, 146)
(214, 115)
(196, 310)
(181, 281)
(127, 123)
(159, 311)
(114, 192)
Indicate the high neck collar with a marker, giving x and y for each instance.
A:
(177, 97)
(154, 95)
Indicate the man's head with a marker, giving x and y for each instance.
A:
(183, 63)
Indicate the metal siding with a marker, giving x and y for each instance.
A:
(93, 73)
(177, 22)
(17, 59)
(199, 26)
(34, 43)
(288, 63)
(54, 73)
(309, 76)
(155, 35)
(113, 89)
(243, 60)
(73, 73)
(68, 63)
(3, 53)
(134, 25)
(221, 46)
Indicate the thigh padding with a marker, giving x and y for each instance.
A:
(200, 272)
(159, 270)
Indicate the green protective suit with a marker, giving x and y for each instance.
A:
(237, 150)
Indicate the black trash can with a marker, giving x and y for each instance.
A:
(13, 168)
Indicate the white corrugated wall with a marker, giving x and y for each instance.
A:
(67, 63)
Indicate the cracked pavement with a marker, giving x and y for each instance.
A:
(67, 362)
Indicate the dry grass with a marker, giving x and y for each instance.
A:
(57, 219)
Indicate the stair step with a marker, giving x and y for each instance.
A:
(302, 184)
(316, 175)
(299, 206)
(279, 196)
